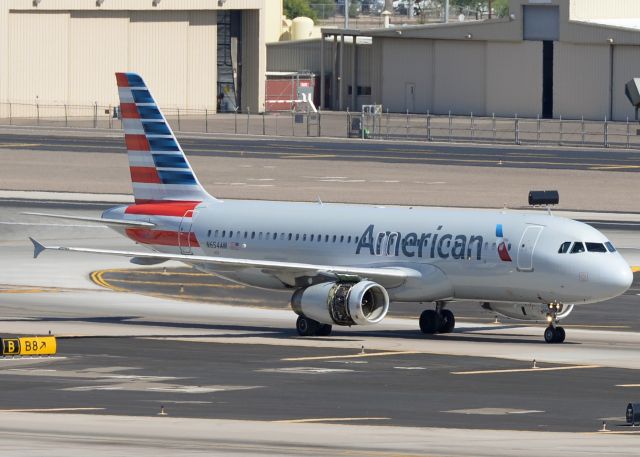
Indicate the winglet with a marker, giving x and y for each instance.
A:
(37, 248)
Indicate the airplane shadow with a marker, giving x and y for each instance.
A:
(459, 335)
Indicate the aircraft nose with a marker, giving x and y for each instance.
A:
(619, 279)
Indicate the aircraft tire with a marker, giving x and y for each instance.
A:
(430, 322)
(324, 330)
(560, 335)
(307, 327)
(448, 321)
(550, 334)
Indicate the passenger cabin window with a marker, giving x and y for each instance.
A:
(610, 246)
(216, 233)
(596, 247)
(577, 248)
(564, 247)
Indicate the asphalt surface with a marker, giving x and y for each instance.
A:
(136, 377)
(504, 156)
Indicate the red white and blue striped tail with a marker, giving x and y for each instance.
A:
(160, 172)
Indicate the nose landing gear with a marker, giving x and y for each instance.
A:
(554, 333)
(439, 320)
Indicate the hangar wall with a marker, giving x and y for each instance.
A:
(66, 51)
(515, 88)
(64, 66)
(581, 81)
(626, 66)
(463, 77)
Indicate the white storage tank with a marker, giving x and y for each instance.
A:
(302, 28)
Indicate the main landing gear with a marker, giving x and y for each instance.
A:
(554, 333)
(439, 320)
(309, 327)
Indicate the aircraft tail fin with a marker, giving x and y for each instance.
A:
(160, 171)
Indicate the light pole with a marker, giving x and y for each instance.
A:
(346, 14)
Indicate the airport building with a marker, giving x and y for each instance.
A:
(552, 58)
(197, 54)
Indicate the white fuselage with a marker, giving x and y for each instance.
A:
(458, 252)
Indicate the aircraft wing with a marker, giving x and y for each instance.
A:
(290, 273)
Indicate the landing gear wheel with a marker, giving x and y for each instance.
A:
(448, 321)
(306, 326)
(430, 322)
(550, 334)
(324, 330)
(554, 334)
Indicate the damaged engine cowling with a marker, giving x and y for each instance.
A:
(537, 312)
(342, 303)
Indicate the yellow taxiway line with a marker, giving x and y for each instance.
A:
(352, 356)
(27, 291)
(168, 283)
(526, 370)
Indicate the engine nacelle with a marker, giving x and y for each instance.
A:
(342, 303)
(537, 312)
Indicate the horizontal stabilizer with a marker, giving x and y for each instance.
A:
(99, 220)
(37, 248)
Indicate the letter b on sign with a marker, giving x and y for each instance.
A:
(10, 346)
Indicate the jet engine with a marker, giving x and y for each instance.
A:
(537, 312)
(342, 303)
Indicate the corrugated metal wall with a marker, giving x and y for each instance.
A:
(516, 87)
(581, 81)
(203, 66)
(38, 57)
(305, 55)
(459, 77)
(254, 61)
(408, 62)
(157, 44)
(626, 66)
(91, 62)
(64, 57)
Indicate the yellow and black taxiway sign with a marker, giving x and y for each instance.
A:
(29, 345)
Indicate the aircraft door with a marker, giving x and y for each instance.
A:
(527, 245)
(184, 233)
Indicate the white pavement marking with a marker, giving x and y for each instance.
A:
(331, 419)
(526, 370)
(37, 224)
(493, 411)
(305, 370)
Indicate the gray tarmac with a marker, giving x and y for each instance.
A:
(234, 362)
(232, 374)
(405, 173)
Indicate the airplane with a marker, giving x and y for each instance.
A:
(345, 263)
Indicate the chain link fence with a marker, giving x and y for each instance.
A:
(333, 124)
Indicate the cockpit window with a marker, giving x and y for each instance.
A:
(610, 247)
(564, 247)
(577, 248)
(596, 247)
